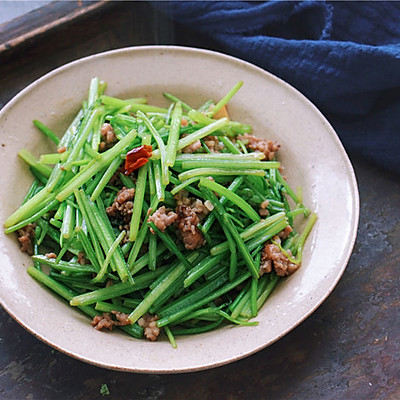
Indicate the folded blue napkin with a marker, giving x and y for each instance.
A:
(344, 56)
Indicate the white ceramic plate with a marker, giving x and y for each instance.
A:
(311, 153)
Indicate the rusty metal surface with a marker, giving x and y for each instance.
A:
(348, 349)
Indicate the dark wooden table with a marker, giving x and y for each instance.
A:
(348, 349)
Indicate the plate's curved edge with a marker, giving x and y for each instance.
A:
(354, 211)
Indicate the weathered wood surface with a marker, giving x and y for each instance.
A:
(348, 349)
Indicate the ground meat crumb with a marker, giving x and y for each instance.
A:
(51, 255)
(199, 208)
(25, 239)
(263, 208)
(268, 147)
(187, 222)
(182, 198)
(192, 147)
(62, 149)
(82, 258)
(122, 209)
(284, 234)
(202, 209)
(213, 143)
(151, 330)
(190, 212)
(273, 257)
(109, 283)
(103, 321)
(123, 204)
(107, 321)
(162, 218)
(122, 318)
(108, 137)
(125, 195)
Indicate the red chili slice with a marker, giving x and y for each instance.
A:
(137, 157)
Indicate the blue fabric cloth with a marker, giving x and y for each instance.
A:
(344, 56)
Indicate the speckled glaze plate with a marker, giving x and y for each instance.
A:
(311, 153)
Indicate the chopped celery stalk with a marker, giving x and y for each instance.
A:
(178, 239)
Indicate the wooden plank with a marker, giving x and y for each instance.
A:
(42, 21)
